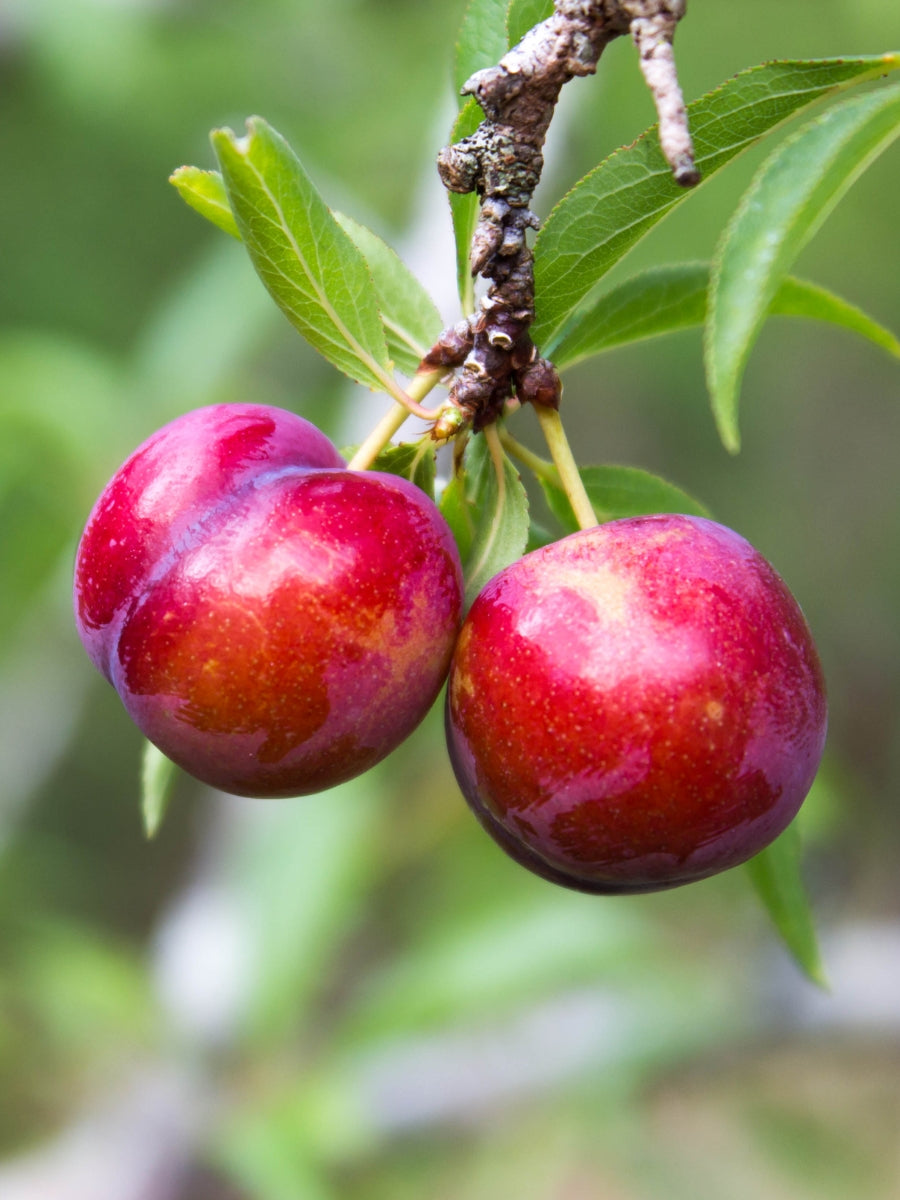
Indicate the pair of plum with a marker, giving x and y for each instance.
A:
(633, 707)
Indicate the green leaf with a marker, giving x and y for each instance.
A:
(523, 15)
(654, 302)
(499, 499)
(775, 874)
(158, 775)
(464, 210)
(800, 298)
(618, 202)
(414, 461)
(459, 513)
(311, 267)
(666, 299)
(790, 197)
(411, 321)
(617, 492)
(482, 39)
(205, 192)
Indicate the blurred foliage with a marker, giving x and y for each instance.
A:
(370, 1000)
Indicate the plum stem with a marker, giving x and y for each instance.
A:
(497, 454)
(376, 441)
(564, 460)
(541, 467)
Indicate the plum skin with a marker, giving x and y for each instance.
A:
(636, 706)
(273, 621)
(164, 490)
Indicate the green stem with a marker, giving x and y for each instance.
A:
(569, 475)
(392, 420)
(537, 465)
(426, 445)
(492, 437)
(379, 437)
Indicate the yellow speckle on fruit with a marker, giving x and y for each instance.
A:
(605, 589)
(715, 710)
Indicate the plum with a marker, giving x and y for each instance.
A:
(274, 622)
(636, 706)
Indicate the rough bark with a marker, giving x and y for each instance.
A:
(502, 161)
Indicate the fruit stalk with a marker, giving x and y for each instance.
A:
(566, 466)
(392, 420)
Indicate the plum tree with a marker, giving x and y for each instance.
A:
(635, 706)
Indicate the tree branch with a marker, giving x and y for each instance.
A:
(502, 161)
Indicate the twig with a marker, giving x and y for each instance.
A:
(502, 161)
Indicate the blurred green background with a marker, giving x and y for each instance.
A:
(355, 995)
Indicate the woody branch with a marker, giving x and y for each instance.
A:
(502, 161)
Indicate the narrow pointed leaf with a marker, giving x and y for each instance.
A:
(666, 299)
(523, 15)
(617, 203)
(158, 775)
(790, 197)
(501, 532)
(658, 301)
(411, 321)
(775, 873)
(311, 267)
(414, 461)
(205, 192)
(464, 209)
(459, 513)
(617, 492)
(482, 39)
(800, 298)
